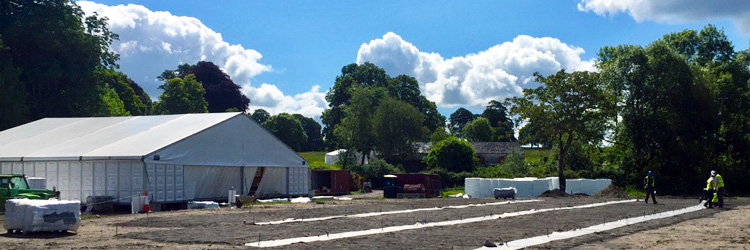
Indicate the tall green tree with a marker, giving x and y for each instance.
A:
(478, 130)
(56, 52)
(260, 115)
(288, 129)
(397, 126)
(502, 126)
(403, 88)
(352, 76)
(222, 93)
(181, 96)
(568, 107)
(681, 100)
(459, 118)
(113, 106)
(312, 129)
(13, 107)
(124, 87)
(356, 129)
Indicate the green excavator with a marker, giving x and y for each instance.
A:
(16, 186)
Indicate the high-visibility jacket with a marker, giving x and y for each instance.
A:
(719, 181)
(710, 183)
(649, 181)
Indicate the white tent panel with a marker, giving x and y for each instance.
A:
(299, 180)
(273, 182)
(238, 141)
(211, 182)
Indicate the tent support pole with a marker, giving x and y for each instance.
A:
(242, 180)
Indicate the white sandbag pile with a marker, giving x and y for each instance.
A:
(530, 186)
(42, 215)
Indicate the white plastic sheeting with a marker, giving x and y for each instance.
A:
(42, 215)
(538, 240)
(529, 186)
(202, 205)
(391, 229)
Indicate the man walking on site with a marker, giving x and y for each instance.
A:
(649, 186)
(710, 186)
(720, 191)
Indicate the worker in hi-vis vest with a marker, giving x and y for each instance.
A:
(649, 183)
(720, 191)
(710, 186)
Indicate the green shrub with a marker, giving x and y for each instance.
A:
(452, 155)
(451, 179)
(375, 168)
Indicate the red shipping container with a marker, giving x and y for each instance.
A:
(427, 184)
(331, 182)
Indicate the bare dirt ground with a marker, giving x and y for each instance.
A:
(231, 228)
(729, 229)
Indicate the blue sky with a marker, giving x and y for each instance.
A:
(305, 43)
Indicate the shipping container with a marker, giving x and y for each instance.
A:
(331, 182)
(418, 185)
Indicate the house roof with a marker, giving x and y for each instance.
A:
(503, 148)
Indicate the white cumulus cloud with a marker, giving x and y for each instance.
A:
(270, 98)
(674, 11)
(153, 41)
(474, 79)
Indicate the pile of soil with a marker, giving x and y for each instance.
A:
(554, 193)
(612, 192)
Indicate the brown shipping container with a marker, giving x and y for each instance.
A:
(331, 182)
(427, 184)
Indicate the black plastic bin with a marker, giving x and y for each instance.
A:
(389, 187)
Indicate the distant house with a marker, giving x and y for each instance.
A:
(488, 152)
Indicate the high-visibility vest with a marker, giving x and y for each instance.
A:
(710, 183)
(719, 181)
(649, 181)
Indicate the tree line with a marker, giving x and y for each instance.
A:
(677, 107)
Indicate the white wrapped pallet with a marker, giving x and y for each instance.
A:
(530, 186)
(42, 215)
(471, 186)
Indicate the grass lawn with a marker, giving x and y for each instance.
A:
(536, 154)
(317, 160)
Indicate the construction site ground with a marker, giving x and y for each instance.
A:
(232, 227)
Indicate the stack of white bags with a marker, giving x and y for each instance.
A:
(42, 215)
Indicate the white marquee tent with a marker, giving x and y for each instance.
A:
(173, 157)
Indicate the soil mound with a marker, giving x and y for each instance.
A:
(554, 193)
(612, 192)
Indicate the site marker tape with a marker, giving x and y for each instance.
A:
(538, 240)
(362, 215)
